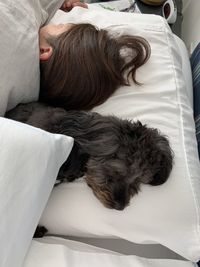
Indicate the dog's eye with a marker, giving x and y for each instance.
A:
(114, 156)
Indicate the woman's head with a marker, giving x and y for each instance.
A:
(81, 66)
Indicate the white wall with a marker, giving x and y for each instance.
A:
(191, 23)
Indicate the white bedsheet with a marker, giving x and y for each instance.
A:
(64, 253)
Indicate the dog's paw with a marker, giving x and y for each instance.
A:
(40, 231)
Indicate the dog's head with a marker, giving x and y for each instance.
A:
(138, 155)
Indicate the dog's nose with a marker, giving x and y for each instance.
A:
(119, 206)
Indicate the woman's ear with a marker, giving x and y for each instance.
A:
(45, 52)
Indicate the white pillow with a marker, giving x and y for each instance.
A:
(168, 214)
(30, 160)
(53, 252)
(19, 51)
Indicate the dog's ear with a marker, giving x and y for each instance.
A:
(163, 161)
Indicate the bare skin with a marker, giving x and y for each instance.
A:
(55, 30)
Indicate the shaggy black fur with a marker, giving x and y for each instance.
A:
(116, 156)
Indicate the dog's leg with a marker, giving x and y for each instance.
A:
(75, 166)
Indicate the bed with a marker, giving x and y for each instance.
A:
(161, 225)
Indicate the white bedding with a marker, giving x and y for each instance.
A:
(64, 253)
(30, 161)
(51, 252)
(19, 61)
(156, 214)
(186, 68)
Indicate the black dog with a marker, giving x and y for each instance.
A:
(116, 156)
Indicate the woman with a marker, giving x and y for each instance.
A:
(81, 65)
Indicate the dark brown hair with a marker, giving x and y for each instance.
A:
(87, 66)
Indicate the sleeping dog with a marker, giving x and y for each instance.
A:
(115, 156)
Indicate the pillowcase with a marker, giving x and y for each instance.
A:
(167, 214)
(19, 51)
(195, 64)
(186, 68)
(30, 160)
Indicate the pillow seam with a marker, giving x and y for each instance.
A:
(197, 207)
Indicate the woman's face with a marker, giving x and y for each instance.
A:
(53, 30)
